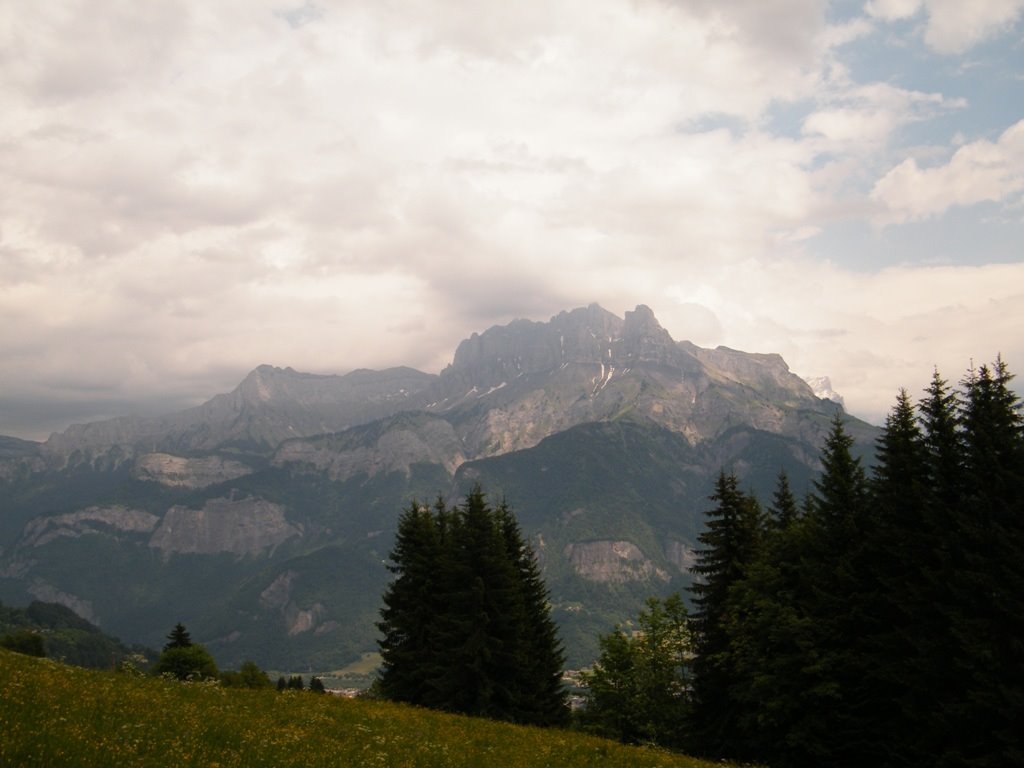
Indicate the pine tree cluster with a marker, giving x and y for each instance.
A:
(466, 624)
(882, 623)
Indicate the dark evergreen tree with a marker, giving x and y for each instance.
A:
(769, 635)
(540, 695)
(316, 685)
(412, 604)
(282, 684)
(185, 660)
(986, 671)
(731, 540)
(466, 625)
(896, 590)
(833, 607)
(784, 510)
(178, 637)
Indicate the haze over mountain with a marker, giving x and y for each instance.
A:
(262, 518)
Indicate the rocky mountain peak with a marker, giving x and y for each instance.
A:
(261, 382)
(589, 334)
(643, 338)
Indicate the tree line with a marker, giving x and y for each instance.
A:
(880, 622)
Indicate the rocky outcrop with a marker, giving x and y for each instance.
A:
(277, 597)
(180, 472)
(394, 445)
(241, 527)
(612, 562)
(90, 521)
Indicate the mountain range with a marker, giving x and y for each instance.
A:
(263, 518)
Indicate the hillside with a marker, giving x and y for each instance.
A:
(51, 714)
(68, 637)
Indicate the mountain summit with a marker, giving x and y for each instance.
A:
(265, 515)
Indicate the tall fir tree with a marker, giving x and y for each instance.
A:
(834, 608)
(178, 637)
(466, 624)
(540, 656)
(769, 635)
(895, 583)
(731, 539)
(987, 616)
(411, 603)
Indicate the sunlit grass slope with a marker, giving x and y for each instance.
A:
(55, 715)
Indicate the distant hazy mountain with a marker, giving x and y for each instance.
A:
(261, 519)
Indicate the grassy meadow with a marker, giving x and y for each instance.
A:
(55, 715)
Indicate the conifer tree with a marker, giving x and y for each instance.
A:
(896, 589)
(987, 605)
(833, 607)
(466, 625)
(178, 637)
(732, 536)
(769, 635)
(540, 656)
(784, 510)
(411, 604)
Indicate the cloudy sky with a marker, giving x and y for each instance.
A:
(191, 188)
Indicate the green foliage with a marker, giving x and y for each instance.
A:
(638, 690)
(735, 530)
(24, 641)
(192, 662)
(249, 675)
(466, 624)
(52, 715)
(70, 638)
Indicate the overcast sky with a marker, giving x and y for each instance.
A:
(190, 188)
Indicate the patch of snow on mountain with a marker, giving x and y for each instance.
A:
(822, 387)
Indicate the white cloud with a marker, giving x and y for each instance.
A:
(859, 119)
(191, 190)
(953, 26)
(977, 172)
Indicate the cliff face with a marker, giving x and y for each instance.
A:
(180, 472)
(239, 527)
(115, 520)
(394, 445)
(512, 386)
(612, 562)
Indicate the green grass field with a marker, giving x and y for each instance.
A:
(56, 715)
